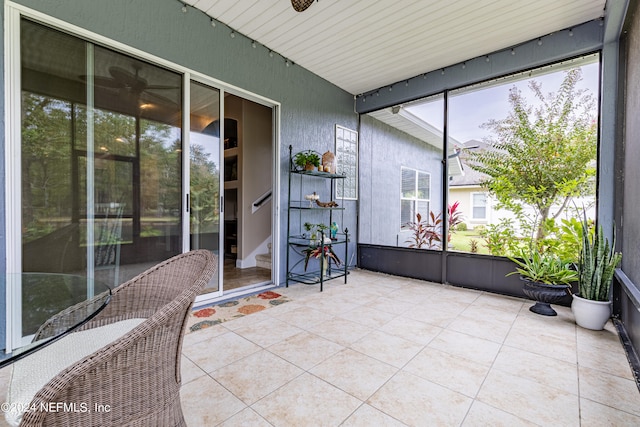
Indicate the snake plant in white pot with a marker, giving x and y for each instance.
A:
(591, 307)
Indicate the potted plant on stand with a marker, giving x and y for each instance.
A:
(547, 279)
(591, 307)
(307, 160)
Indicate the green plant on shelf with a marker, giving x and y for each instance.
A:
(316, 231)
(307, 160)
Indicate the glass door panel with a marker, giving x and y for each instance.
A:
(204, 173)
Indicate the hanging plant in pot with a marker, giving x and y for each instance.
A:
(547, 279)
(591, 307)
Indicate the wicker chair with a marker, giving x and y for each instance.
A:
(135, 379)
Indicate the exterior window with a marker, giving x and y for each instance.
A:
(414, 195)
(479, 202)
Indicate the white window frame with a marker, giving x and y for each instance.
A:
(415, 199)
(473, 206)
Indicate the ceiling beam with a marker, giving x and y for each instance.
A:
(579, 40)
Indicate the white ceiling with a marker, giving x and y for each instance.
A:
(361, 45)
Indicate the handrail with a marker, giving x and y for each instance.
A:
(262, 200)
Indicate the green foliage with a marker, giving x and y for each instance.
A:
(542, 157)
(473, 246)
(461, 227)
(564, 240)
(544, 267)
(306, 157)
(597, 263)
(500, 238)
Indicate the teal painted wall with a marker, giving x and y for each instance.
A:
(310, 106)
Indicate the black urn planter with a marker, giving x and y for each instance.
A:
(544, 295)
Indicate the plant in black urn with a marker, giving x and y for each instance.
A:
(547, 279)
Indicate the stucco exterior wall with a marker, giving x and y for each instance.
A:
(383, 151)
(310, 106)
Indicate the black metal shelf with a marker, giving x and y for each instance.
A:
(297, 242)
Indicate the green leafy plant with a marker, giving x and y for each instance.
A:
(308, 157)
(597, 263)
(544, 267)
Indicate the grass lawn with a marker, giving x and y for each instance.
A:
(461, 241)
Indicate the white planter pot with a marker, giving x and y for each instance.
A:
(591, 314)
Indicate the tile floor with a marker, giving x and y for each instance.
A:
(388, 351)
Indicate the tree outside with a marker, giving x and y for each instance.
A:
(542, 156)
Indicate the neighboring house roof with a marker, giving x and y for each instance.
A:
(469, 176)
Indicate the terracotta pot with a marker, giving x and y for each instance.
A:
(590, 314)
(544, 295)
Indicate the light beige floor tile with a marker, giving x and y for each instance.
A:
(463, 345)
(450, 371)
(341, 331)
(481, 327)
(412, 295)
(543, 336)
(390, 305)
(246, 418)
(418, 402)
(502, 303)
(305, 349)
(529, 400)
(412, 330)
(304, 317)
(219, 351)
(255, 376)
(307, 400)
(457, 295)
(198, 413)
(335, 308)
(606, 339)
(387, 348)
(246, 321)
(594, 414)
(203, 334)
(368, 316)
(611, 360)
(189, 370)
(616, 392)
(543, 369)
(433, 315)
(479, 310)
(355, 373)
(483, 415)
(268, 332)
(367, 416)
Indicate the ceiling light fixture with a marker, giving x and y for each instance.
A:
(442, 72)
(539, 42)
(253, 44)
(271, 53)
(486, 58)
(213, 22)
(513, 51)
(571, 32)
(184, 8)
(233, 34)
(464, 65)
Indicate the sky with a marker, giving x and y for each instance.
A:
(467, 111)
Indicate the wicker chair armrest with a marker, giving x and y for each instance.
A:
(70, 317)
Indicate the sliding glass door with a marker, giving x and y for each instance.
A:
(204, 172)
(101, 155)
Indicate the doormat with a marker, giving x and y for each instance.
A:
(202, 318)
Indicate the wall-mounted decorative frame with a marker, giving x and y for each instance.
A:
(347, 162)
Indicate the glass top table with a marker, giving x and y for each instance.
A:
(52, 305)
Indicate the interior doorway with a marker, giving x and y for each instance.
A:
(248, 212)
